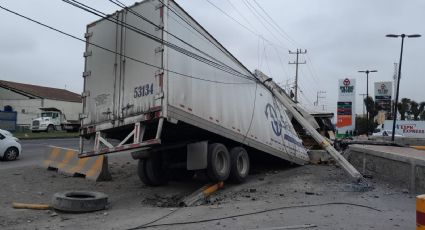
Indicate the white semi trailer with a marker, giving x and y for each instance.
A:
(159, 86)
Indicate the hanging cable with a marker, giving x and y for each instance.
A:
(159, 40)
(124, 7)
(113, 52)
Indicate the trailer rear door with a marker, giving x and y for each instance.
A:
(126, 79)
(102, 70)
(141, 83)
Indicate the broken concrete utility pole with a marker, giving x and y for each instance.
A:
(293, 108)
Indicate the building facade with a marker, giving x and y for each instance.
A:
(27, 100)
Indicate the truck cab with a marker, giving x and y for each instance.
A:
(50, 119)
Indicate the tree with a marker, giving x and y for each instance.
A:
(403, 108)
(372, 108)
(422, 116)
(363, 126)
(416, 109)
(422, 110)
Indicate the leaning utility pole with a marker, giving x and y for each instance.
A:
(294, 109)
(299, 51)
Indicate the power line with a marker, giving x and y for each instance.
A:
(204, 34)
(277, 25)
(186, 52)
(259, 17)
(111, 51)
(288, 38)
(242, 25)
(243, 17)
(123, 6)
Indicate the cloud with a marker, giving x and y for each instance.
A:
(15, 42)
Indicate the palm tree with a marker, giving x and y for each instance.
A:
(371, 107)
(403, 107)
(416, 109)
(421, 110)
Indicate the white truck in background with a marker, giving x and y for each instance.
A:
(51, 119)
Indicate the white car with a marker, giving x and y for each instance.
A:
(386, 133)
(9, 146)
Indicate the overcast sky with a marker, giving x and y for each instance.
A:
(341, 37)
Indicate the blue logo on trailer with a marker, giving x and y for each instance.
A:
(275, 119)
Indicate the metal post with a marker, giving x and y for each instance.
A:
(398, 87)
(367, 98)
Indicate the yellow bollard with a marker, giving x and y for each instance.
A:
(420, 212)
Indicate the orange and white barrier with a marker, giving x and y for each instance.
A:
(66, 161)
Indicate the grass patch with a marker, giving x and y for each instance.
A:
(44, 135)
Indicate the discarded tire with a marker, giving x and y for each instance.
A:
(239, 167)
(79, 201)
(218, 168)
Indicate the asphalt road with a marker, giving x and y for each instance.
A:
(33, 151)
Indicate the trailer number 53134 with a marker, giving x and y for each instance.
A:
(144, 90)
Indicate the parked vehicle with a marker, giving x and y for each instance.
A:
(385, 133)
(193, 107)
(9, 146)
(53, 119)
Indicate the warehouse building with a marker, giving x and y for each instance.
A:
(26, 100)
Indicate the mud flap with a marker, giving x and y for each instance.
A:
(197, 155)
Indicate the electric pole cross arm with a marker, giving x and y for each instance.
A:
(289, 104)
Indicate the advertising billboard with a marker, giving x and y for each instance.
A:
(383, 93)
(346, 107)
(414, 129)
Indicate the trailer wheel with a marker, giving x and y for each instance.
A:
(218, 168)
(141, 171)
(151, 172)
(239, 164)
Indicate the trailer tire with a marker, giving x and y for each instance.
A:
(79, 201)
(239, 165)
(153, 170)
(218, 168)
(141, 171)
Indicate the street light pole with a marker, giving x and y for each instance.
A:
(399, 75)
(367, 96)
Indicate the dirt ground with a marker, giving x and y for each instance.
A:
(276, 196)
